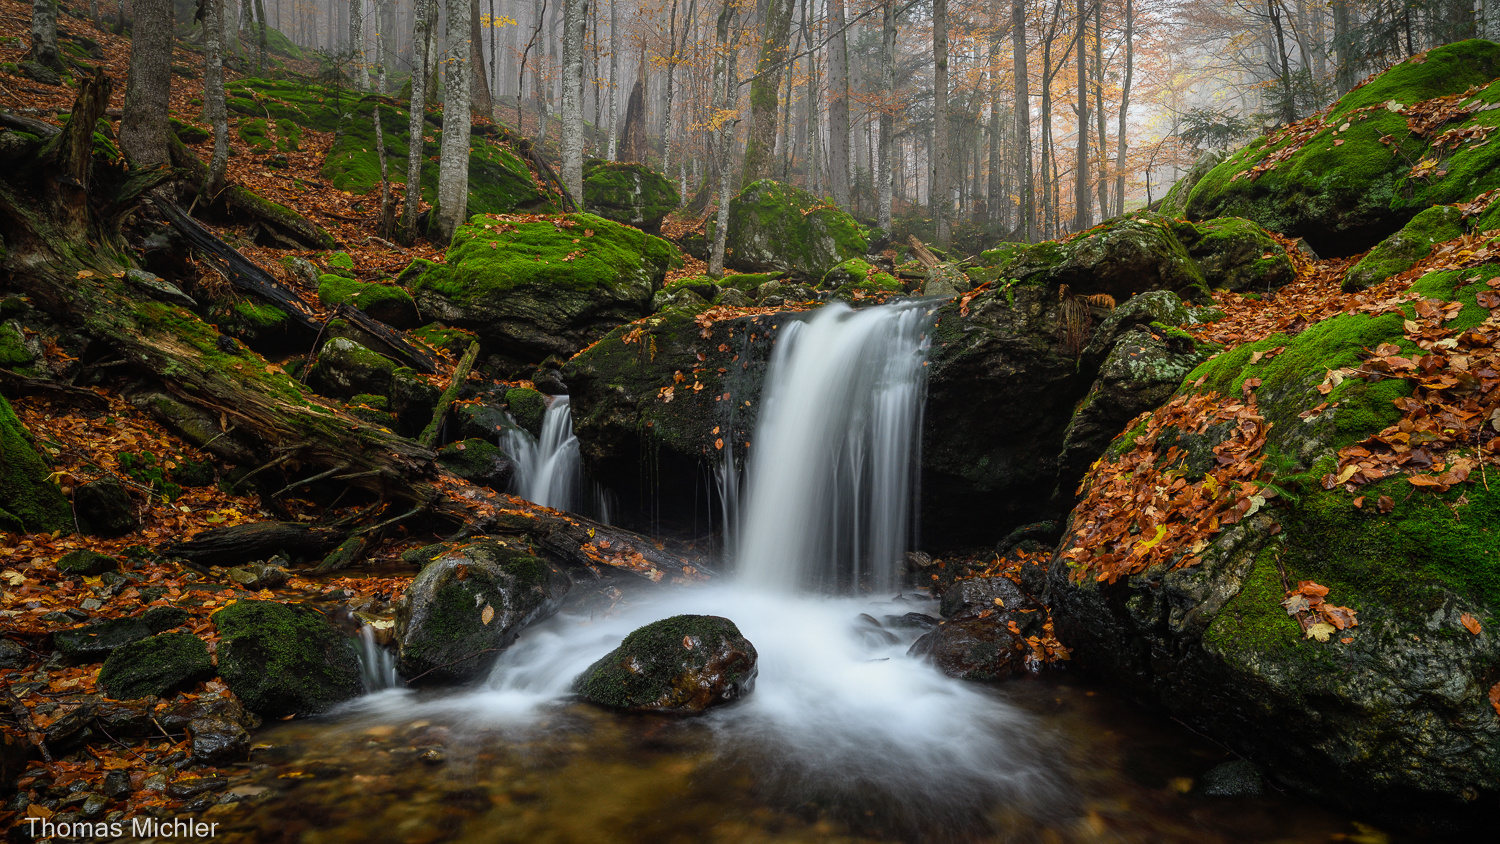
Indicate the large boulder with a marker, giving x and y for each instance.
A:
(345, 369)
(470, 602)
(683, 664)
(284, 660)
(1174, 204)
(155, 666)
(1397, 253)
(538, 287)
(775, 227)
(1346, 178)
(96, 640)
(1342, 637)
(1120, 258)
(628, 193)
(1236, 254)
(29, 503)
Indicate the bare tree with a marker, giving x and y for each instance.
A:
(1122, 149)
(1027, 203)
(614, 74)
(760, 147)
(939, 198)
(887, 114)
(148, 89)
(357, 45)
(213, 93)
(1081, 203)
(574, 19)
(453, 163)
(838, 106)
(422, 25)
(725, 98)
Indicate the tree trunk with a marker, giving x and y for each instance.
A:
(480, 83)
(938, 198)
(44, 34)
(422, 24)
(633, 133)
(1343, 23)
(760, 146)
(1122, 140)
(614, 84)
(388, 23)
(144, 124)
(1099, 116)
(724, 97)
(260, 36)
(666, 119)
(887, 114)
(838, 106)
(1288, 100)
(1081, 218)
(357, 45)
(213, 93)
(992, 187)
(1026, 203)
(453, 166)
(572, 97)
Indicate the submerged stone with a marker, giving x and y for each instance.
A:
(683, 664)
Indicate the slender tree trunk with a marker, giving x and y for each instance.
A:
(938, 193)
(725, 97)
(213, 93)
(760, 147)
(838, 106)
(479, 84)
(357, 45)
(380, 57)
(148, 89)
(389, 26)
(594, 75)
(260, 36)
(1081, 217)
(1288, 100)
(1343, 24)
(1122, 141)
(614, 83)
(1027, 203)
(887, 114)
(813, 130)
(453, 166)
(574, 23)
(1100, 120)
(422, 23)
(992, 187)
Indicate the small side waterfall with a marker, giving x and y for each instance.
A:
(549, 471)
(829, 496)
(377, 666)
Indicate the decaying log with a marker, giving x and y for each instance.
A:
(924, 255)
(460, 374)
(283, 224)
(230, 546)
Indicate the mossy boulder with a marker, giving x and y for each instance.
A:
(345, 369)
(775, 227)
(15, 353)
(1237, 254)
(388, 303)
(479, 462)
(468, 604)
(527, 407)
(280, 659)
(1120, 258)
(154, 666)
(859, 274)
(1349, 181)
(1391, 717)
(629, 193)
(29, 503)
(96, 640)
(1174, 204)
(533, 288)
(82, 562)
(1399, 252)
(104, 508)
(682, 665)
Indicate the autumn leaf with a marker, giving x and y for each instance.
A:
(1495, 697)
(1320, 631)
(1470, 623)
(488, 614)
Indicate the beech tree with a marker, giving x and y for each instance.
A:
(213, 93)
(148, 88)
(453, 165)
(574, 22)
(43, 49)
(760, 147)
(422, 25)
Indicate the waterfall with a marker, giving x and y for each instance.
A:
(377, 666)
(549, 471)
(828, 502)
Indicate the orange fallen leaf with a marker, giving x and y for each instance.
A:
(1470, 623)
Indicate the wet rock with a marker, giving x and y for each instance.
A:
(95, 641)
(155, 666)
(73, 726)
(413, 401)
(117, 785)
(974, 648)
(28, 501)
(194, 786)
(94, 806)
(977, 594)
(104, 508)
(225, 707)
(911, 621)
(282, 660)
(774, 227)
(127, 718)
(467, 605)
(483, 419)
(479, 462)
(258, 576)
(345, 369)
(217, 742)
(1237, 778)
(683, 664)
(12, 655)
(628, 193)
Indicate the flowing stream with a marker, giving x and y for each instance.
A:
(844, 737)
(549, 470)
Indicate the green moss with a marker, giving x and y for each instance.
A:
(283, 660)
(155, 666)
(702, 285)
(340, 260)
(29, 503)
(188, 133)
(527, 407)
(746, 282)
(372, 401)
(261, 315)
(1254, 623)
(84, 562)
(781, 227)
(288, 135)
(254, 133)
(439, 336)
(628, 193)
(661, 669)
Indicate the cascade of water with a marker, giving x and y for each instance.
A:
(377, 667)
(549, 471)
(828, 498)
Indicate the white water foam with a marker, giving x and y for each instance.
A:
(549, 471)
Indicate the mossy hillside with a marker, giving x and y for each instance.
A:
(1400, 251)
(543, 287)
(284, 660)
(29, 503)
(781, 228)
(1344, 191)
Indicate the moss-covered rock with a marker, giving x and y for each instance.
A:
(154, 666)
(96, 640)
(533, 288)
(628, 193)
(468, 604)
(1174, 204)
(1400, 251)
(1392, 716)
(858, 274)
(1237, 254)
(82, 562)
(527, 407)
(345, 369)
(29, 503)
(683, 664)
(1352, 182)
(388, 303)
(774, 227)
(188, 133)
(284, 660)
(478, 461)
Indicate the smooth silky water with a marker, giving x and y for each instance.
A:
(843, 738)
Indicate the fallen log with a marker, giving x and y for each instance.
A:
(230, 546)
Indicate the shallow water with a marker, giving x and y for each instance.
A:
(843, 739)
